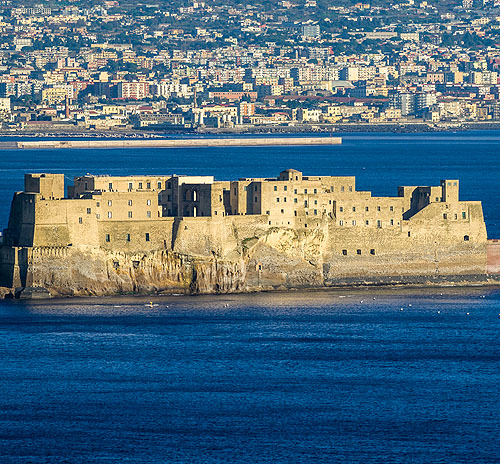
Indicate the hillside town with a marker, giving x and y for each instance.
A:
(211, 65)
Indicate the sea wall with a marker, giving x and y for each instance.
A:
(179, 143)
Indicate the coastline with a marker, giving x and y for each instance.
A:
(392, 284)
(317, 129)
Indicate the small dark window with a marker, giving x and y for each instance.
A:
(108, 238)
(128, 237)
(358, 252)
(464, 215)
(80, 220)
(372, 251)
(256, 199)
(409, 234)
(148, 185)
(344, 252)
(89, 210)
(147, 237)
(466, 238)
(275, 188)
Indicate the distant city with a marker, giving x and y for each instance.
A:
(226, 66)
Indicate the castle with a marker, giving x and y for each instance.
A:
(195, 234)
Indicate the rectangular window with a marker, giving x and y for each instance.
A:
(315, 191)
(147, 236)
(89, 210)
(277, 200)
(295, 200)
(445, 216)
(315, 202)
(282, 211)
(169, 198)
(341, 222)
(148, 185)
(255, 188)
(108, 238)
(130, 202)
(86, 186)
(366, 208)
(284, 200)
(350, 188)
(169, 185)
(98, 204)
(379, 223)
(130, 214)
(159, 185)
(148, 202)
(110, 203)
(110, 214)
(305, 190)
(305, 203)
(378, 208)
(344, 252)
(80, 220)
(315, 212)
(341, 209)
(391, 208)
(285, 188)
(128, 237)
(372, 251)
(367, 222)
(140, 185)
(110, 186)
(275, 188)
(358, 252)
(342, 188)
(392, 222)
(148, 214)
(353, 209)
(464, 216)
(295, 191)
(354, 222)
(255, 199)
(130, 186)
(98, 216)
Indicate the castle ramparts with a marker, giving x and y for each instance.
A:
(189, 234)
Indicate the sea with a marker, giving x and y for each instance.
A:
(377, 375)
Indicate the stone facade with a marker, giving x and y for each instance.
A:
(194, 234)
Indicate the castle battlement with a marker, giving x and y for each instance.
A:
(273, 227)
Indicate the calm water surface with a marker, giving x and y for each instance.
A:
(338, 376)
(334, 376)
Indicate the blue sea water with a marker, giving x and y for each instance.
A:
(366, 376)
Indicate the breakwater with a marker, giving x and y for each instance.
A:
(177, 143)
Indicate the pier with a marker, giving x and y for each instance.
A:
(175, 143)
